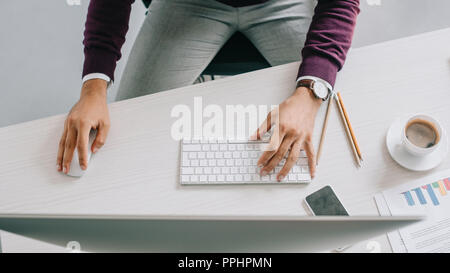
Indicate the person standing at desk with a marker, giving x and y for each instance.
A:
(179, 38)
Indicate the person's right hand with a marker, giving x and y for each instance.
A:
(90, 112)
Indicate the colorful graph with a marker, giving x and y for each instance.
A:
(432, 190)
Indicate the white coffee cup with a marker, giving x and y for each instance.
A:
(421, 134)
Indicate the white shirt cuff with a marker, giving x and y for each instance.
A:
(96, 76)
(327, 84)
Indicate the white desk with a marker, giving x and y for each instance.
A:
(136, 172)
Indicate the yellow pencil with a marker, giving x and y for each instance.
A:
(341, 112)
(349, 125)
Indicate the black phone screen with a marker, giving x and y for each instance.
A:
(325, 202)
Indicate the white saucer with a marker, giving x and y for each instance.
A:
(406, 159)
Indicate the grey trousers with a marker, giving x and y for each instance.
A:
(179, 38)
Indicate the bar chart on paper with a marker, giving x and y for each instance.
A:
(428, 196)
(429, 193)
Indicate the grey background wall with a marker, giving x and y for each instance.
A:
(41, 52)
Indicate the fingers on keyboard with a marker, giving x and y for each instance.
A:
(233, 163)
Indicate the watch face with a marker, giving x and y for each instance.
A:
(320, 90)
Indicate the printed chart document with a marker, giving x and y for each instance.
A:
(428, 196)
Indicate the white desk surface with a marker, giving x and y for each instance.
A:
(136, 172)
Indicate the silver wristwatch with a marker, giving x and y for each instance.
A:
(318, 88)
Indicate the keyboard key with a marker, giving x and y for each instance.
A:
(302, 161)
(198, 170)
(187, 170)
(201, 155)
(230, 162)
(191, 148)
(185, 178)
(186, 163)
(262, 147)
(214, 147)
(205, 147)
(303, 177)
(194, 163)
(256, 177)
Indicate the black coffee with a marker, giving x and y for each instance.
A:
(422, 133)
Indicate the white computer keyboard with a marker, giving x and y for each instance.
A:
(232, 162)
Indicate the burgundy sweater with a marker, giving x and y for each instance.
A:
(327, 42)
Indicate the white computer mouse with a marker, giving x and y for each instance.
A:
(75, 169)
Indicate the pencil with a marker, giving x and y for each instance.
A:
(349, 126)
(324, 128)
(341, 112)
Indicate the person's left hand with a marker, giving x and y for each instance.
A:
(293, 123)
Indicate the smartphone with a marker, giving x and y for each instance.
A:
(325, 202)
